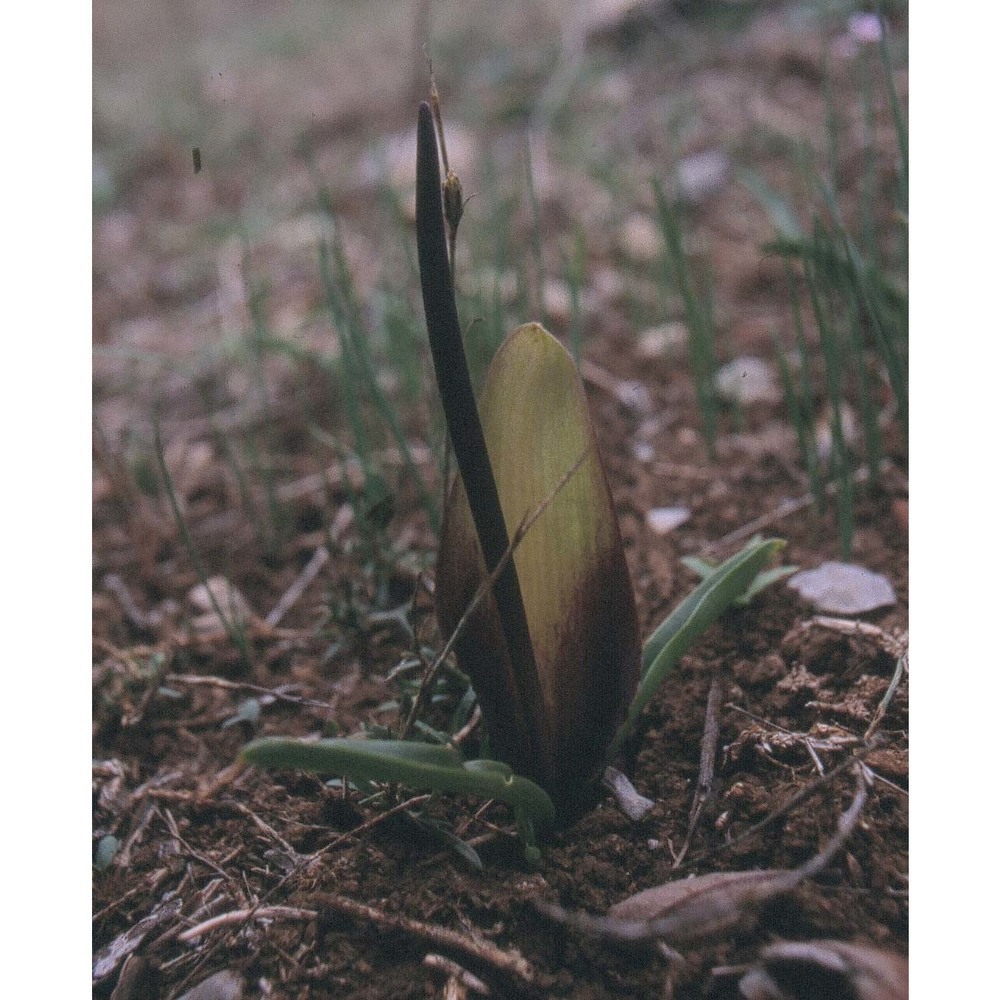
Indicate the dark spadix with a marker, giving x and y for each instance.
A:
(554, 651)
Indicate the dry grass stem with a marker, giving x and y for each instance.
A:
(706, 767)
(783, 510)
(895, 645)
(291, 596)
(902, 666)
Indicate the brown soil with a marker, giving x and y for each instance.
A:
(200, 837)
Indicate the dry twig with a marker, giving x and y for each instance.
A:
(807, 792)
(288, 599)
(244, 916)
(456, 971)
(278, 693)
(511, 963)
(706, 769)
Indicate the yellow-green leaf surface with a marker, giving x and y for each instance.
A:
(574, 579)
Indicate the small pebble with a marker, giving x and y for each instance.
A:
(663, 520)
(843, 589)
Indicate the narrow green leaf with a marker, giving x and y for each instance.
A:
(702, 567)
(775, 204)
(689, 620)
(444, 836)
(419, 766)
(760, 582)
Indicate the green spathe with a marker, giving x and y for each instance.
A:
(571, 565)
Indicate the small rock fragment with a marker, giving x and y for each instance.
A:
(748, 380)
(218, 591)
(843, 589)
(558, 300)
(701, 175)
(663, 520)
(658, 341)
(640, 238)
(224, 985)
(643, 452)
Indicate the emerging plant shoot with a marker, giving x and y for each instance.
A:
(554, 653)
(545, 628)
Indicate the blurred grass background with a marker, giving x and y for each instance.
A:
(627, 164)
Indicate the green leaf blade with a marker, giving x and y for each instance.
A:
(420, 766)
(689, 620)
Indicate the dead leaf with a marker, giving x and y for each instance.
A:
(801, 970)
(108, 958)
(651, 904)
(684, 912)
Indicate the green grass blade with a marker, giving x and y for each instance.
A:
(420, 766)
(832, 125)
(258, 336)
(575, 266)
(866, 395)
(536, 233)
(358, 368)
(688, 621)
(839, 462)
(780, 212)
(867, 193)
(804, 431)
(233, 628)
(808, 411)
(697, 315)
(760, 582)
(902, 137)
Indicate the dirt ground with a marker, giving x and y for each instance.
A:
(195, 271)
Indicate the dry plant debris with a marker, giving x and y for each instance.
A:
(708, 907)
